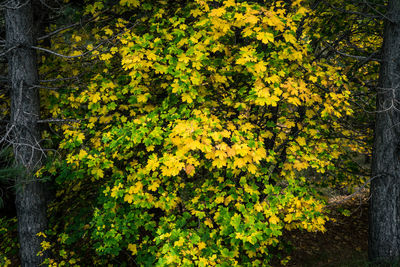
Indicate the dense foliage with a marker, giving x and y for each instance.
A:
(194, 132)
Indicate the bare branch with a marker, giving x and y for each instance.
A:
(353, 12)
(57, 121)
(6, 134)
(89, 51)
(354, 194)
(59, 79)
(57, 31)
(60, 55)
(47, 87)
(7, 51)
(9, 5)
(364, 58)
(377, 11)
(69, 26)
(50, 7)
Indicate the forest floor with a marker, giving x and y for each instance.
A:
(345, 242)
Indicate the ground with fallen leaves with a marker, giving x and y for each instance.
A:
(345, 242)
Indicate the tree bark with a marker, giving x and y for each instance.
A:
(384, 213)
(23, 76)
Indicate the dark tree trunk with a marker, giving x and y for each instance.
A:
(30, 192)
(384, 218)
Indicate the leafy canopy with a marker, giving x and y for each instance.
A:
(201, 127)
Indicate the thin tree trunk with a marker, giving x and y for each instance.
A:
(384, 218)
(30, 192)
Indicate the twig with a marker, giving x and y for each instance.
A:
(57, 31)
(59, 79)
(57, 121)
(7, 133)
(7, 5)
(352, 195)
(61, 55)
(7, 51)
(87, 52)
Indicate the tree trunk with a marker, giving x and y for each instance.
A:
(384, 218)
(30, 192)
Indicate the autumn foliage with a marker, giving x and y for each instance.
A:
(197, 133)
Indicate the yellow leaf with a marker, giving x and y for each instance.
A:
(320, 221)
(228, 199)
(171, 258)
(260, 67)
(187, 98)
(136, 188)
(128, 198)
(301, 141)
(230, 152)
(153, 163)
(41, 234)
(142, 98)
(134, 3)
(201, 245)
(217, 12)
(289, 38)
(209, 223)
(219, 199)
(82, 154)
(105, 56)
(251, 254)
(273, 219)
(265, 37)
(98, 173)
(179, 243)
(95, 98)
(219, 163)
(154, 186)
(300, 165)
(252, 168)
(282, 135)
(80, 137)
(247, 32)
(108, 32)
(239, 162)
(288, 218)
(297, 202)
(189, 169)
(132, 248)
(251, 19)
(258, 207)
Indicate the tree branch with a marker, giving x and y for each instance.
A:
(57, 31)
(364, 58)
(7, 51)
(57, 121)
